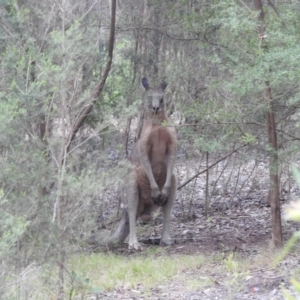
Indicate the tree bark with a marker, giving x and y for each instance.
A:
(272, 138)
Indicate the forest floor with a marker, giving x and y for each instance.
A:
(238, 232)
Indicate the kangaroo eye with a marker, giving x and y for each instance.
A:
(161, 100)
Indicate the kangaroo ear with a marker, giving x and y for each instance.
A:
(163, 85)
(145, 83)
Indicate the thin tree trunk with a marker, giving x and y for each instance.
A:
(272, 138)
(156, 42)
(60, 201)
(129, 101)
(207, 185)
(143, 51)
(144, 40)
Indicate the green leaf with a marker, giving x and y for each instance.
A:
(296, 284)
(287, 295)
(296, 174)
(74, 275)
(95, 290)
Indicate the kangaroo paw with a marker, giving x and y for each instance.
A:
(160, 200)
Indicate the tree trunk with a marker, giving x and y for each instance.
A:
(144, 40)
(272, 138)
(143, 71)
(156, 44)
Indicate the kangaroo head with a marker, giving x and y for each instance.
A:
(155, 96)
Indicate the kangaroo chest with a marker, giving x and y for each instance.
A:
(158, 143)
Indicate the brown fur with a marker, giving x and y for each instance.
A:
(150, 183)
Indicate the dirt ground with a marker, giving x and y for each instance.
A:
(238, 225)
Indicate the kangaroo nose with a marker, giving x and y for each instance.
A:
(155, 108)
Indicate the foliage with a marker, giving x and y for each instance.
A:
(293, 214)
(12, 228)
(52, 55)
(80, 286)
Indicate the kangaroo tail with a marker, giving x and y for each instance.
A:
(121, 233)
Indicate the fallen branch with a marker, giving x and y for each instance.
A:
(215, 163)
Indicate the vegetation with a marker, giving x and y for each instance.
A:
(70, 95)
(293, 213)
(142, 275)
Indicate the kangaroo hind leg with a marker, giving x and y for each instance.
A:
(131, 199)
(167, 210)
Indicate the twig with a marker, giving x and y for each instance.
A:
(215, 163)
(245, 5)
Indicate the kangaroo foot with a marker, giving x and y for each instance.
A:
(167, 242)
(135, 246)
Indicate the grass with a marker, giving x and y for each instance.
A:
(108, 271)
(153, 268)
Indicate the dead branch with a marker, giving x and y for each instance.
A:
(215, 163)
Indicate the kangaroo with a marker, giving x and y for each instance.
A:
(150, 182)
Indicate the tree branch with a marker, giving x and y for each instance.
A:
(98, 88)
(271, 3)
